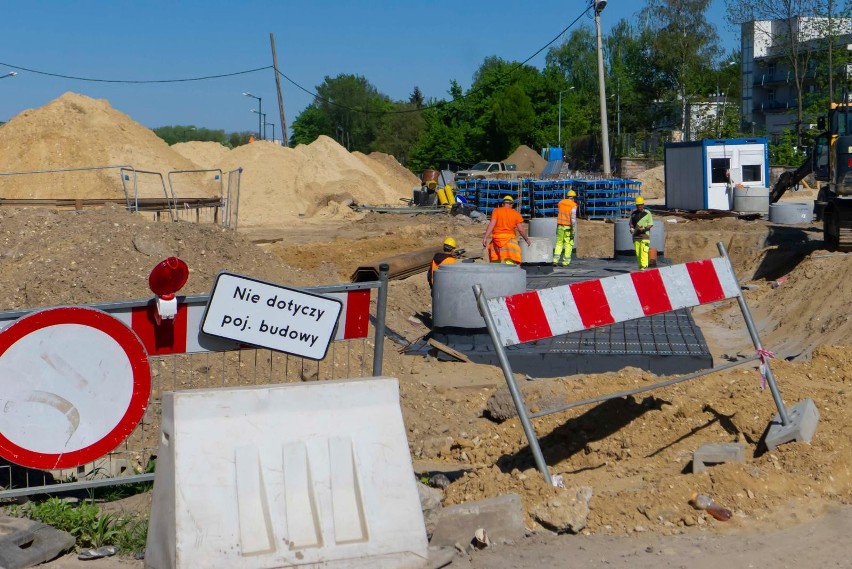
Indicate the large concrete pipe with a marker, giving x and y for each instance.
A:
(453, 302)
(543, 227)
(539, 251)
(790, 213)
(624, 240)
(751, 200)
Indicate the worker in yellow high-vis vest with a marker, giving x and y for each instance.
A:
(641, 223)
(566, 230)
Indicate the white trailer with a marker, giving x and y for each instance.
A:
(702, 174)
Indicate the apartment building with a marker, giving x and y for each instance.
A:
(769, 97)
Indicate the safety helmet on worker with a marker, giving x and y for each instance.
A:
(450, 243)
(572, 194)
(508, 199)
(640, 200)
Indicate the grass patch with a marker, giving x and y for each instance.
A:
(90, 526)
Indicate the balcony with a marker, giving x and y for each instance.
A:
(777, 106)
(779, 78)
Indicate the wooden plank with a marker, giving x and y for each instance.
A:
(448, 350)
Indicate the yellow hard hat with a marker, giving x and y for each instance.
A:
(640, 200)
(572, 194)
(508, 199)
(450, 242)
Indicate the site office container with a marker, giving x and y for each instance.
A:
(702, 174)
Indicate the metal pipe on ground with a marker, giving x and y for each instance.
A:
(399, 266)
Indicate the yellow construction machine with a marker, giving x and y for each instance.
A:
(830, 162)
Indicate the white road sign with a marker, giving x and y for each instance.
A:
(259, 313)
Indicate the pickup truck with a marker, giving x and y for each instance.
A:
(491, 171)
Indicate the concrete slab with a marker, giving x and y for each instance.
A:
(804, 418)
(501, 517)
(24, 543)
(716, 453)
(664, 344)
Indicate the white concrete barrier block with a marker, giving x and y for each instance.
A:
(300, 475)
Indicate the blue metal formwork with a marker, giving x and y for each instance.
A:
(612, 198)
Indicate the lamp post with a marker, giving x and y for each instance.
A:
(10, 74)
(560, 113)
(261, 120)
(259, 113)
(598, 6)
(272, 124)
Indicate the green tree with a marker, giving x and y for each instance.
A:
(682, 45)
(353, 110)
(789, 36)
(310, 124)
(514, 120)
(399, 130)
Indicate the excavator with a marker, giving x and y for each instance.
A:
(831, 163)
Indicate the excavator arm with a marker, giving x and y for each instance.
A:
(789, 179)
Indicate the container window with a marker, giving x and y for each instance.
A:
(719, 168)
(751, 173)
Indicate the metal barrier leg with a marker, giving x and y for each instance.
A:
(510, 382)
(381, 310)
(752, 331)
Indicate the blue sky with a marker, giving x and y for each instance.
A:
(395, 45)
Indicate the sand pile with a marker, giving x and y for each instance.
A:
(75, 131)
(653, 182)
(281, 184)
(386, 167)
(205, 154)
(527, 159)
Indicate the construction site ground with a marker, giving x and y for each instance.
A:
(791, 506)
(634, 452)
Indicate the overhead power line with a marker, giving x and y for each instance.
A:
(136, 81)
(469, 93)
(294, 83)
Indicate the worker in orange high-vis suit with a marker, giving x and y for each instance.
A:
(503, 247)
(446, 257)
(566, 230)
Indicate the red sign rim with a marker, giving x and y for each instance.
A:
(136, 355)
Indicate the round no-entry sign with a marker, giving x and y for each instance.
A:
(74, 383)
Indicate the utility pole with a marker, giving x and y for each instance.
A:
(599, 5)
(278, 87)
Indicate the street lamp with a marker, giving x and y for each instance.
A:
(261, 119)
(10, 74)
(259, 112)
(598, 6)
(272, 124)
(560, 113)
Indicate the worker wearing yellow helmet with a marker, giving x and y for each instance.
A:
(641, 223)
(566, 230)
(447, 256)
(503, 246)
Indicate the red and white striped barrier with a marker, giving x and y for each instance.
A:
(183, 333)
(579, 306)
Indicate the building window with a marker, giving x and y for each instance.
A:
(751, 173)
(770, 95)
(719, 168)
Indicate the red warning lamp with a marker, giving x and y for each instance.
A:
(167, 278)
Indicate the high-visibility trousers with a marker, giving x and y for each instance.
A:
(504, 249)
(641, 247)
(564, 244)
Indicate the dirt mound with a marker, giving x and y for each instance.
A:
(75, 131)
(395, 168)
(653, 182)
(527, 160)
(281, 184)
(53, 257)
(205, 154)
